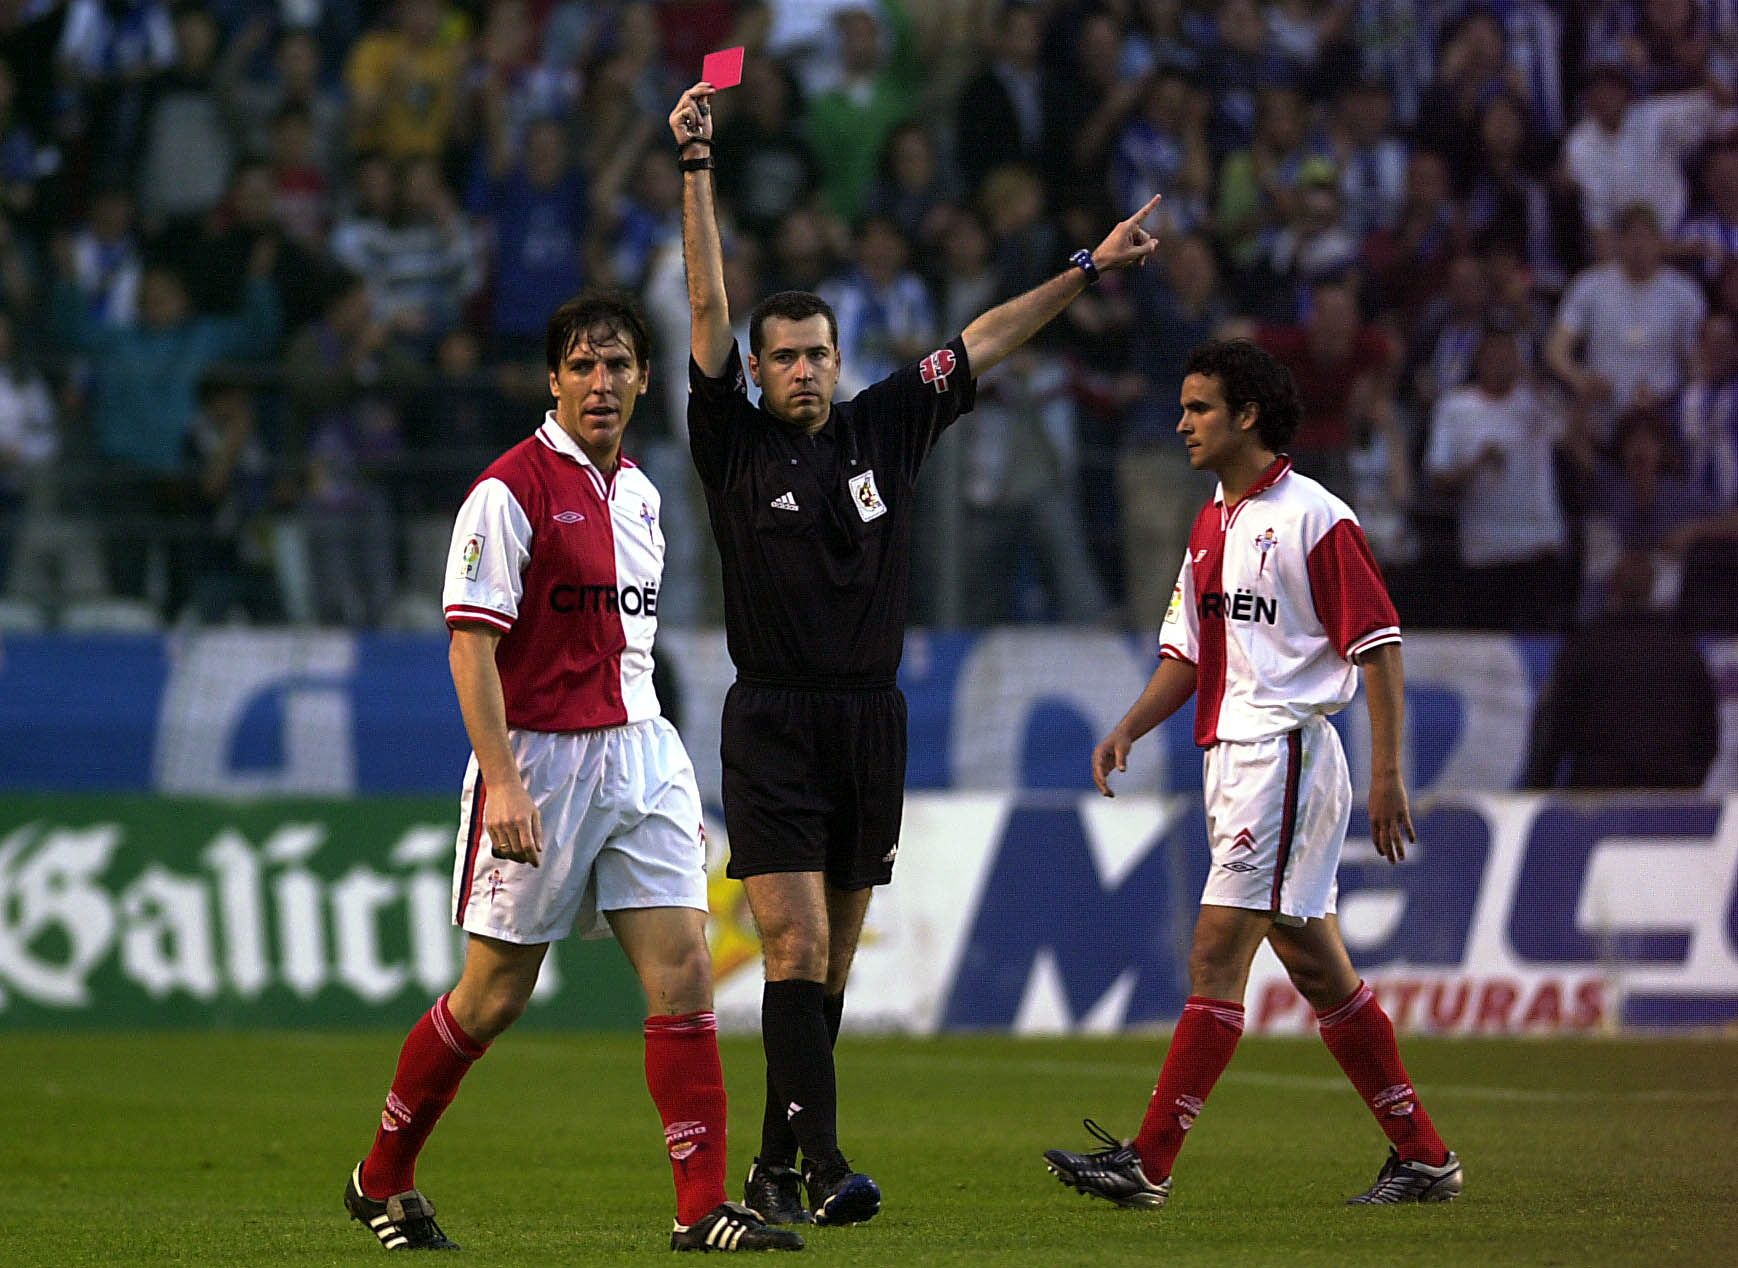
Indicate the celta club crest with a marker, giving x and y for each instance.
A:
(1264, 542)
(646, 516)
(936, 367)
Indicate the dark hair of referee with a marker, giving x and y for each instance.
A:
(791, 306)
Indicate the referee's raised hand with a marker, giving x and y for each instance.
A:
(1128, 244)
(691, 120)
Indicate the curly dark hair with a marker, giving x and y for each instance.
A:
(599, 315)
(790, 306)
(1249, 375)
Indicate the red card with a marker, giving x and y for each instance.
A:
(723, 69)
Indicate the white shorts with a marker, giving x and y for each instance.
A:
(1277, 811)
(621, 829)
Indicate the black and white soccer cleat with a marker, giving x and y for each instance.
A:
(404, 1221)
(776, 1193)
(730, 1226)
(1113, 1173)
(839, 1195)
(1401, 1181)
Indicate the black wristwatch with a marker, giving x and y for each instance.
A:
(1082, 260)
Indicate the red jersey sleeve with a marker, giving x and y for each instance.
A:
(1351, 599)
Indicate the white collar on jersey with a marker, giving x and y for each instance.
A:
(551, 434)
(1263, 482)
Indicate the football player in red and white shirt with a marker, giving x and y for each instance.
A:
(579, 805)
(1278, 605)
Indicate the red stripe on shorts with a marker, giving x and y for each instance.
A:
(473, 840)
(1288, 817)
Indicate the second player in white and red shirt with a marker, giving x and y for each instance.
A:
(1277, 608)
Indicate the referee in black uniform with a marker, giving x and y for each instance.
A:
(811, 504)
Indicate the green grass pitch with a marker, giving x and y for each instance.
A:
(233, 1149)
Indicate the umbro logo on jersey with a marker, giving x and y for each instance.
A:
(785, 502)
(1239, 867)
(569, 517)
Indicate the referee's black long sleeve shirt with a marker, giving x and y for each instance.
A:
(815, 532)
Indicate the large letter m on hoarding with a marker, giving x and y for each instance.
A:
(1047, 909)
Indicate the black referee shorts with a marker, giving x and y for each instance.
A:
(814, 781)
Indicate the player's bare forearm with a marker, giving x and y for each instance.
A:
(1171, 685)
(998, 333)
(510, 816)
(1168, 690)
(702, 247)
(1385, 695)
(482, 703)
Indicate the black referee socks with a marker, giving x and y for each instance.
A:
(778, 1143)
(798, 1023)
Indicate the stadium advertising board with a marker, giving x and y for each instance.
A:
(121, 911)
(1034, 914)
(331, 714)
(1513, 915)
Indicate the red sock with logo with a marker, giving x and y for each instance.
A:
(1201, 1048)
(687, 1084)
(435, 1056)
(1361, 1038)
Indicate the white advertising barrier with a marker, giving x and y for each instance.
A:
(1513, 915)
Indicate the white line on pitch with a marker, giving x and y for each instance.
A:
(1326, 1083)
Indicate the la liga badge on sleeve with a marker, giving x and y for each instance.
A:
(866, 497)
(470, 558)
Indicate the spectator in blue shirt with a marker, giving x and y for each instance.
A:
(539, 212)
(145, 379)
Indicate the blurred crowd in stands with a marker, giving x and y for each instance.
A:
(274, 275)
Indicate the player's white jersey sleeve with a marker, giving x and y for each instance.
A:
(486, 565)
(1180, 635)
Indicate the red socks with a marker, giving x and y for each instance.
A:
(682, 1071)
(687, 1085)
(1201, 1048)
(1361, 1038)
(435, 1056)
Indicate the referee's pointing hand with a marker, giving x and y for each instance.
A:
(1128, 244)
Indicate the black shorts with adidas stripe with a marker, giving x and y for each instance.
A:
(814, 781)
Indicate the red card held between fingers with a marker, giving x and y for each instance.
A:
(722, 69)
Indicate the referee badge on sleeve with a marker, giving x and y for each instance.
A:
(866, 497)
(470, 558)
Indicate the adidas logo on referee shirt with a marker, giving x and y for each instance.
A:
(785, 502)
